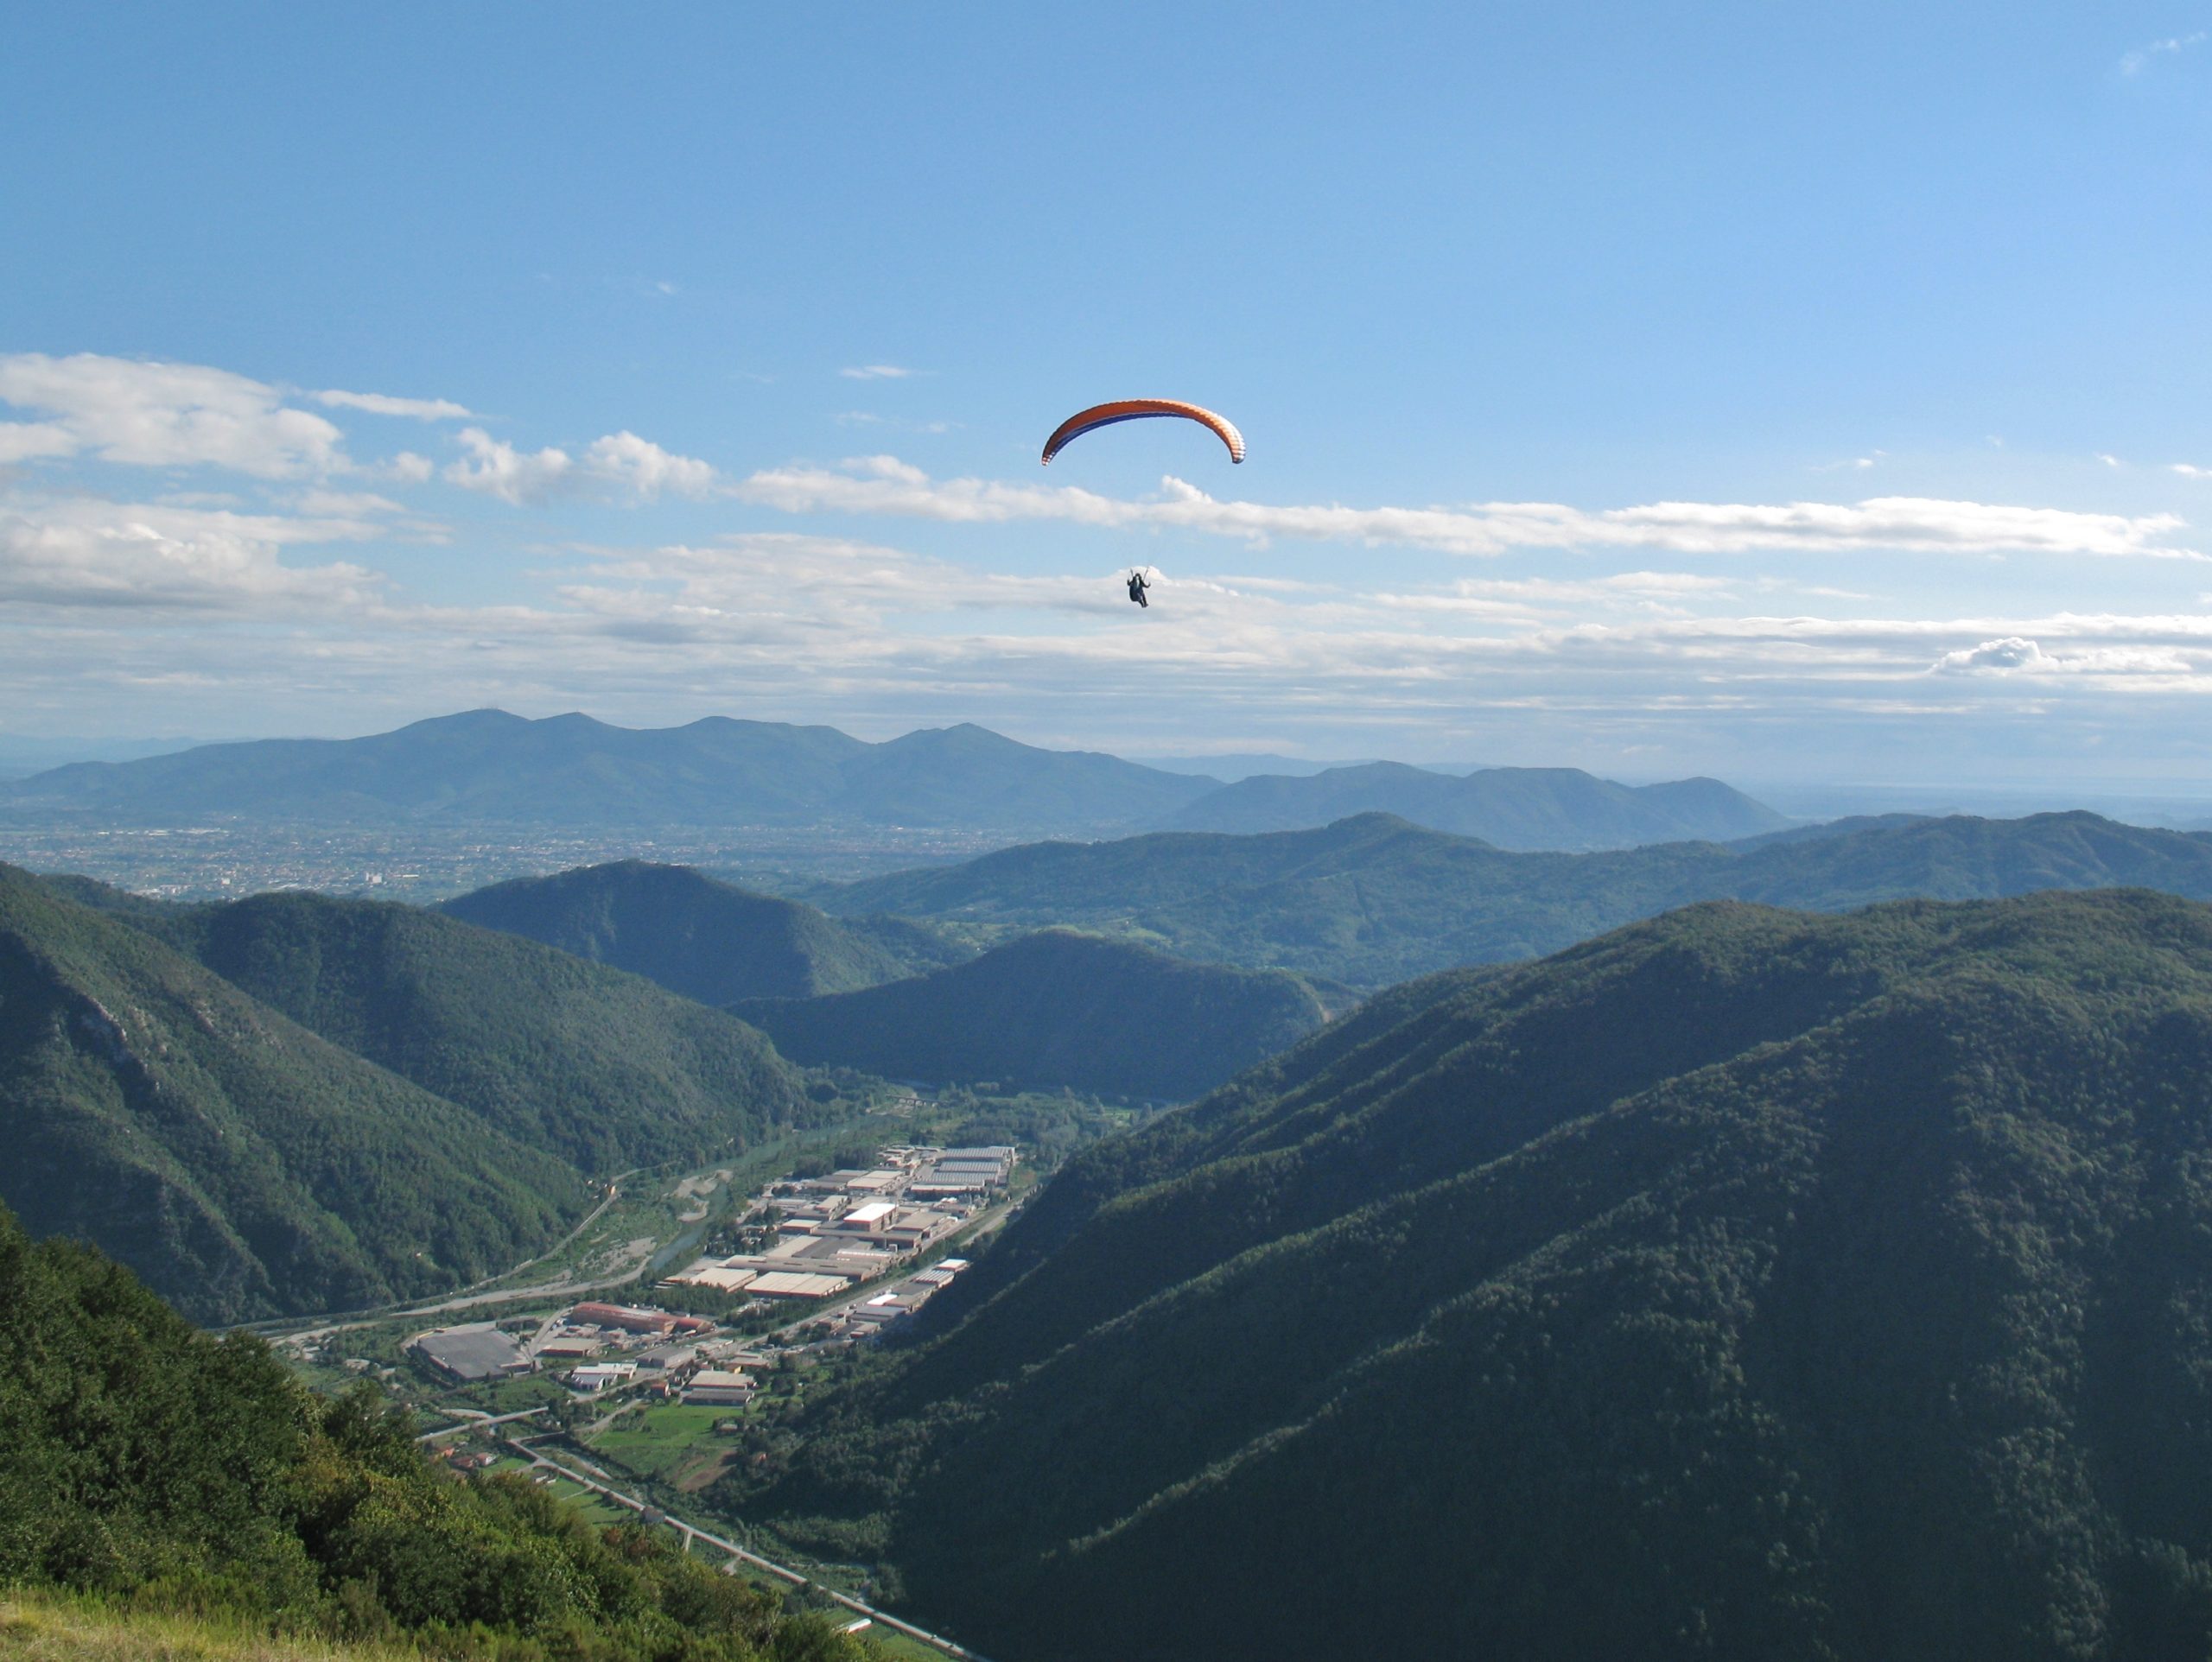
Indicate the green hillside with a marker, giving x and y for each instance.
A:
(602, 1069)
(1052, 1008)
(243, 1165)
(1373, 900)
(706, 939)
(164, 1470)
(1742, 1284)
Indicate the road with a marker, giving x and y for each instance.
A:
(739, 1555)
(339, 1321)
(474, 1420)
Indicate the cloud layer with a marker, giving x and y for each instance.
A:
(888, 486)
(199, 533)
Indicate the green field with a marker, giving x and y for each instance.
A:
(673, 1443)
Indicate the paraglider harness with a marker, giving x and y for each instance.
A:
(1137, 587)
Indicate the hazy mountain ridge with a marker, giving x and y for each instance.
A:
(1054, 1009)
(570, 771)
(1374, 900)
(1524, 809)
(486, 766)
(1590, 1293)
(708, 940)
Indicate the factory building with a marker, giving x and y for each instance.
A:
(478, 1351)
(713, 1387)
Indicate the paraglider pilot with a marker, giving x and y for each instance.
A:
(1137, 587)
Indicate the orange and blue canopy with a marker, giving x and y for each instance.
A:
(1139, 410)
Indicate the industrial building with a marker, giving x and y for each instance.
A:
(626, 1318)
(784, 1284)
(594, 1376)
(713, 1387)
(478, 1351)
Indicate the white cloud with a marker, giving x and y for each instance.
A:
(165, 416)
(2109, 460)
(2189, 470)
(2134, 63)
(637, 466)
(884, 484)
(499, 469)
(409, 468)
(875, 372)
(24, 441)
(350, 503)
(2014, 655)
(85, 552)
(646, 468)
(378, 403)
(2010, 653)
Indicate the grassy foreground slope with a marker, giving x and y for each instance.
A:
(1741, 1285)
(146, 1462)
(1052, 1008)
(1373, 900)
(604, 1070)
(705, 939)
(244, 1165)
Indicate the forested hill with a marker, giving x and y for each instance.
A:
(602, 1069)
(244, 1165)
(164, 1470)
(706, 939)
(1373, 900)
(1054, 1009)
(1509, 807)
(1743, 1283)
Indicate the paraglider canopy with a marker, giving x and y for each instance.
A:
(1138, 409)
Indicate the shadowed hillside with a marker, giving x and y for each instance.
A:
(1744, 1284)
(1052, 1008)
(706, 939)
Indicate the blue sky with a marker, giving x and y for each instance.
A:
(1774, 392)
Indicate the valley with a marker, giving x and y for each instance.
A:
(1166, 1179)
(1253, 833)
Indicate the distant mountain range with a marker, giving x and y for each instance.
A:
(292, 1103)
(1744, 1285)
(487, 768)
(706, 939)
(1511, 807)
(1373, 900)
(1054, 1009)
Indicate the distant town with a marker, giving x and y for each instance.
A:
(222, 859)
